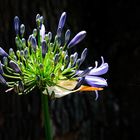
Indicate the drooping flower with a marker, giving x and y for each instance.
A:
(45, 62)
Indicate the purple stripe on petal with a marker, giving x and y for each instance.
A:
(79, 37)
(2, 52)
(95, 81)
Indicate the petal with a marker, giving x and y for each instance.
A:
(95, 81)
(63, 88)
(67, 84)
(100, 70)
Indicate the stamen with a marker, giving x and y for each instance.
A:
(88, 88)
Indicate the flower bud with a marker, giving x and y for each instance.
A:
(34, 43)
(5, 61)
(18, 53)
(29, 40)
(84, 54)
(16, 24)
(14, 66)
(66, 60)
(42, 32)
(35, 32)
(78, 38)
(67, 36)
(3, 53)
(56, 59)
(44, 48)
(22, 29)
(78, 63)
(21, 86)
(50, 36)
(11, 52)
(62, 20)
(22, 54)
(38, 20)
(26, 53)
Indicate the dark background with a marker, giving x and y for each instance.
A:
(113, 31)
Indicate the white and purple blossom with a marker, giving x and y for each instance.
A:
(46, 62)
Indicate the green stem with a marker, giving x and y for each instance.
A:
(47, 123)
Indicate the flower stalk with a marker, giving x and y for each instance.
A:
(46, 116)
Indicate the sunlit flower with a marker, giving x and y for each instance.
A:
(48, 65)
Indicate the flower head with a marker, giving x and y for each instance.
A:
(48, 65)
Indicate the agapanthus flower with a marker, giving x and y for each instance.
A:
(48, 65)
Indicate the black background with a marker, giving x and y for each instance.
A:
(113, 31)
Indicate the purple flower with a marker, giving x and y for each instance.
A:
(14, 66)
(2, 52)
(91, 75)
(78, 38)
(102, 69)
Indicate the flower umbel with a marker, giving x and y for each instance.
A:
(48, 65)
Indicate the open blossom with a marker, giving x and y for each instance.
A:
(48, 65)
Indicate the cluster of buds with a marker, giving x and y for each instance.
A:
(45, 62)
